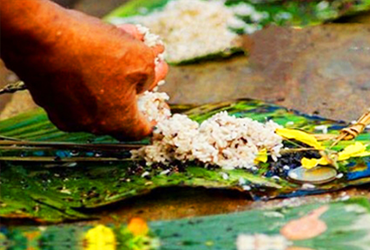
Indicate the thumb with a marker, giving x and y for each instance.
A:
(132, 125)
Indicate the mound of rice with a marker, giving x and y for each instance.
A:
(222, 140)
(195, 28)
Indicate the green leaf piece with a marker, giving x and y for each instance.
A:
(304, 13)
(53, 183)
(345, 222)
(347, 227)
(287, 13)
(136, 8)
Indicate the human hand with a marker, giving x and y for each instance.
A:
(85, 73)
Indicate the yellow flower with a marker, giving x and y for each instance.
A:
(138, 227)
(311, 163)
(100, 238)
(299, 136)
(364, 154)
(355, 150)
(261, 156)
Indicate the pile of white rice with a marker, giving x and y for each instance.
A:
(222, 140)
(197, 28)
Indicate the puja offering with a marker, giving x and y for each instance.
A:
(288, 171)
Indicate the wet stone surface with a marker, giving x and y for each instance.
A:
(319, 70)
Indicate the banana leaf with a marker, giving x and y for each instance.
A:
(347, 222)
(300, 13)
(50, 175)
(282, 13)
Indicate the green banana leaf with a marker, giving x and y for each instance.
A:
(347, 225)
(300, 13)
(305, 13)
(282, 13)
(49, 175)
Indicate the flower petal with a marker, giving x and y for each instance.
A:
(100, 238)
(262, 156)
(138, 227)
(364, 154)
(311, 163)
(354, 150)
(299, 136)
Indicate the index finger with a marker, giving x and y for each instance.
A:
(132, 30)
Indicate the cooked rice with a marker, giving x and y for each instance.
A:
(154, 107)
(196, 28)
(150, 39)
(222, 140)
(153, 104)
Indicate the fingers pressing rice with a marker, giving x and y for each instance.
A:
(222, 140)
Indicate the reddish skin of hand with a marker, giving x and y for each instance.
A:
(85, 73)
